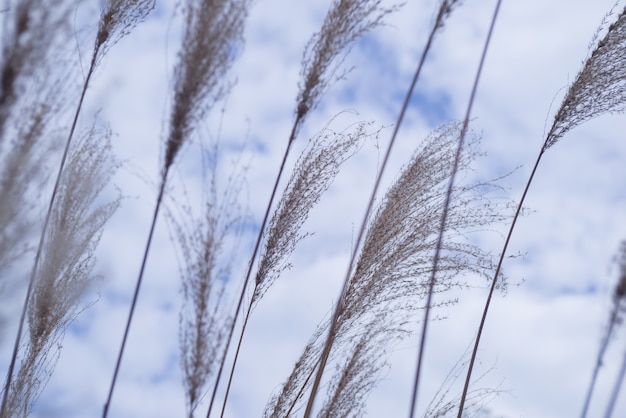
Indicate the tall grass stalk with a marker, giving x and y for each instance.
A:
(117, 19)
(444, 217)
(616, 318)
(444, 11)
(599, 88)
(616, 388)
(30, 39)
(65, 271)
(212, 35)
(345, 22)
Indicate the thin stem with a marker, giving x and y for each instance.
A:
(232, 370)
(444, 215)
(616, 389)
(494, 281)
(137, 287)
(249, 270)
(42, 237)
(339, 305)
(301, 391)
(596, 369)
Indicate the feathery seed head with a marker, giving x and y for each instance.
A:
(66, 268)
(345, 22)
(313, 174)
(32, 29)
(393, 269)
(212, 34)
(205, 264)
(599, 87)
(445, 10)
(118, 18)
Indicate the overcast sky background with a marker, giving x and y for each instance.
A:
(541, 338)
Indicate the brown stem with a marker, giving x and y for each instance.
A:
(44, 229)
(444, 215)
(493, 285)
(137, 287)
(339, 305)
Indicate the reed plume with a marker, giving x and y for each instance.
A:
(345, 22)
(206, 265)
(287, 400)
(30, 99)
(21, 170)
(599, 88)
(313, 174)
(66, 268)
(31, 32)
(117, 19)
(35, 38)
(212, 37)
(357, 376)
(393, 268)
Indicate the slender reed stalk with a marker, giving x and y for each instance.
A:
(599, 88)
(345, 22)
(444, 217)
(444, 11)
(616, 388)
(212, 35)
(65, 271)
(32, 34)
(616, 319)
(117, 19)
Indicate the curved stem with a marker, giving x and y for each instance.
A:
(444, 215)
(232, 370)
(136, 294)
(493, 284)
(33, 273)
(339, 305)
(616, 389)
(596, 369)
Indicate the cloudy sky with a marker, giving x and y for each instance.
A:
(542, 336)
